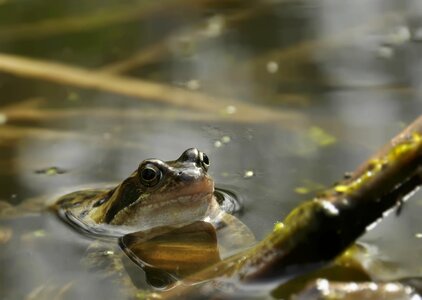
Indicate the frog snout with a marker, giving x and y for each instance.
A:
(188, 175)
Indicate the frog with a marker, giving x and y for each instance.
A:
(157, 197)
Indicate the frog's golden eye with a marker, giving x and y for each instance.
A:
(205, 161)
(150, 175)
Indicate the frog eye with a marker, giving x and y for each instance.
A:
(205, 161)
(150, 175)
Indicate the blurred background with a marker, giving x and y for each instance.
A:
(284, 97)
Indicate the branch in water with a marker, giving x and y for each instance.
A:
(318, 230)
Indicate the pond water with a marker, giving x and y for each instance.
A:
(283, 96)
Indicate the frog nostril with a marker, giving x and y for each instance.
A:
(185, 176)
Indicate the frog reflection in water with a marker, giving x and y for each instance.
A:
(156, 197)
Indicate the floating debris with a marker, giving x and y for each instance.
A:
(3, 119)
(33, 235)
(193, 84)
(218, 144)
(400, 36)
(215, 26)
(108, 252)
(51, 171)
(39, 233)
(272, 67)
(418, 235)
(248, 174)
(308, 187)
(231, 109)
(385, 52)
(5, 235)
(302, 190)
(321, 137)
(225, 139)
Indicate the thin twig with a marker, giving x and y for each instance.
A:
(9, 133)
(136, 115)
(90, 21)
(162, 49)
(141, 89)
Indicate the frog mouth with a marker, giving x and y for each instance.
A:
(180, 202)
(185, 194)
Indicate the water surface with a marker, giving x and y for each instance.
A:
(339, 79)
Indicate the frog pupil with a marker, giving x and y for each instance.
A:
(149, 174)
